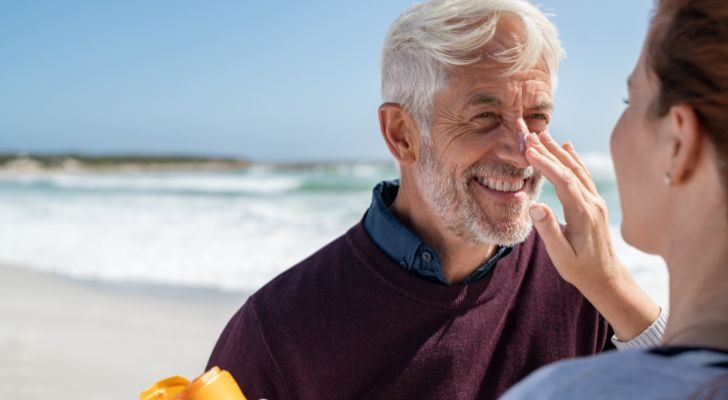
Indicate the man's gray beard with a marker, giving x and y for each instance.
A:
(451, 199)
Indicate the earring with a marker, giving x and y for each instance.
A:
(667, 179)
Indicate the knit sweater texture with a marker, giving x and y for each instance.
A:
(349, 323)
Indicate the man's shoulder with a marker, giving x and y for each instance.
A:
(312, 277)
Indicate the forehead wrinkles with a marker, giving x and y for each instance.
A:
(513, 94)
(494, 71)
(531, 86)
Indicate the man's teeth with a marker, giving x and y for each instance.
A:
(501, 186)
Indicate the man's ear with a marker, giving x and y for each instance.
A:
(399, 132)
(687, 142)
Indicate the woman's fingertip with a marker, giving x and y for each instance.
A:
(532, 138)
(537, 213)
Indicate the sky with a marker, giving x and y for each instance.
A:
(261, 80)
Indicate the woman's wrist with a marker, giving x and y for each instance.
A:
(627, 308)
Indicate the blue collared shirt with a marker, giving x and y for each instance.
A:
(404, 246)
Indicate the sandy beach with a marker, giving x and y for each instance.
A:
(66, 339)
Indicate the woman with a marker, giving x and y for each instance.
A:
(670, 150)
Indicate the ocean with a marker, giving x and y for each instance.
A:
(230, 230)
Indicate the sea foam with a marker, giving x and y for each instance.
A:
(231, 230)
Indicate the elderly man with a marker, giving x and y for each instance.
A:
(442, 291)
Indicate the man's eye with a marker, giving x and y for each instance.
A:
(488, 114)
(538, 116)
(625, 101)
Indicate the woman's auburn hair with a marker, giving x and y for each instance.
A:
(687, 51)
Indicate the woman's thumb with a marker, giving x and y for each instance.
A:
(548, 228)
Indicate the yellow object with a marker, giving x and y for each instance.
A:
(214, 384)
(165, 389)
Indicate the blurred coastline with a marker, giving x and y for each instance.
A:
(30, 163)
(23, 163)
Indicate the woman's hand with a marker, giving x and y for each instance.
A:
(582, 250)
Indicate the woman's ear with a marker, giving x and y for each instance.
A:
(687, 142)
(399, 132)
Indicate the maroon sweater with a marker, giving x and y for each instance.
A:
(348, 323)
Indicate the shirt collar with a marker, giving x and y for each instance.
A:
(406, 248)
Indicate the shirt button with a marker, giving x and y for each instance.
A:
(426, 256)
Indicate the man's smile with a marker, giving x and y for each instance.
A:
(502, 184)
(505, 188)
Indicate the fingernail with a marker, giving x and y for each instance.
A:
(546, 135)
(533, 137)
(537, 213)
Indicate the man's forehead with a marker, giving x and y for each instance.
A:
(485, 85)
(488, 82)
(538, 101)
(499, 75)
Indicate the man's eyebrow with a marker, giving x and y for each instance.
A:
(542, 106)
(485, 99)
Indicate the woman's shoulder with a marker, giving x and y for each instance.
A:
(662, 373)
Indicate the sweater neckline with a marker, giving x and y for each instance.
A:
(429, 293)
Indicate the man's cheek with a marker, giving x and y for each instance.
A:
(538, 182)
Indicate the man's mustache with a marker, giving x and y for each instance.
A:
(501, 170)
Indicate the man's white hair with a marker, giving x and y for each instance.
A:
(429, 38)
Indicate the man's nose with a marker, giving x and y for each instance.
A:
(514, 149)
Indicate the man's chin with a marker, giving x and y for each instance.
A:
(507, 232)
(517, 237)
